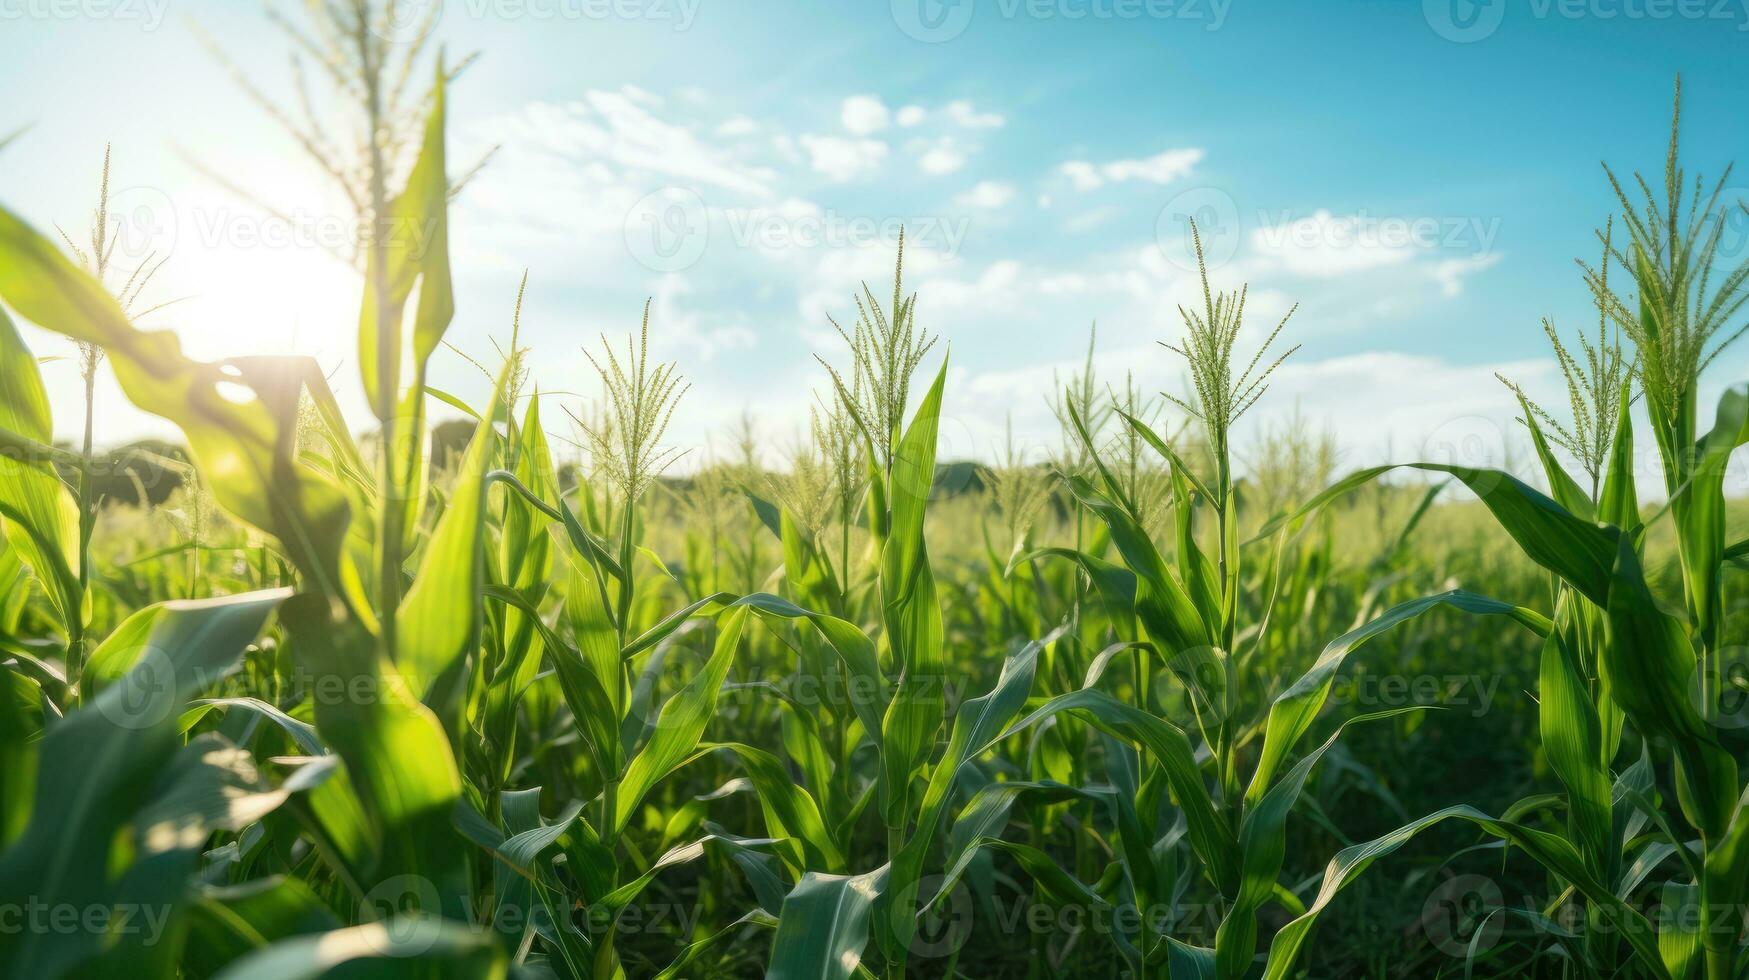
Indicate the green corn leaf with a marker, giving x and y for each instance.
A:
(39, 516)
(789, 810)
(117, 743)
(681, 722)
(246, 449)
(1116, 584)
(1552, 852)
(396, 752)
(910, 611)
(1651, 669)
(1564, 488)
(1263, 846)
(976, 727)
(411, 250)
(302, 733)
(402, 948)
(1618, 502)
(1210, 836)
(1294, 710)
(228, 922)
(1697, 508)
(757, 918)
(439, 617)
(1572, 735)
(1162, 604)
(824, 926)
(121, 649)
(1577, 550)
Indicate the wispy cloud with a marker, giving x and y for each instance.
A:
(1161, 168)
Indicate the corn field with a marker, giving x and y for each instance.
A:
(334, 703)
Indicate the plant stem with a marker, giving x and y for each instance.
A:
(87, 520)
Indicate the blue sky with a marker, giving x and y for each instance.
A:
(1417, 176)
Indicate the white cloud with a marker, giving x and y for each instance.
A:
(986, 194)
(1327, 246)
(1324, 245)
(842, 159)
(911, 115)
(618, 129)
(736, 126)
(963, 114)
(1086, 221)
(1084, 175)
(1451, 273)
(864, 114)
(684, 331)
(1161, 168)
(942, 158)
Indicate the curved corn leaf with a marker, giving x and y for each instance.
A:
(1294, 709)
(397, 754)
(409, 947)
(229, 922)
(38, 515)
(1263, 846)
(1651, 666)
(1210, 836)
(911, 613)
(1552, 852)
(119, 741)
(1577, 550)
(824, 926)
(681, 722)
